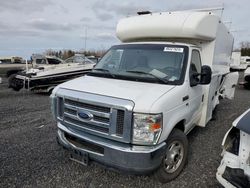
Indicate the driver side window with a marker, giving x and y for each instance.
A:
(195, 66)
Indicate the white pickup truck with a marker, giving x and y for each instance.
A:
(234, 169)
(134, 110)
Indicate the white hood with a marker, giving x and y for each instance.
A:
(141, 93)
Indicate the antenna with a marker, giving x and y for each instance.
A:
(222, 10)
(206, 9)
(239, 30)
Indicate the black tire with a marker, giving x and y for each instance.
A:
(13, 84)
(176, 137)
(214, 114)
(10, 79)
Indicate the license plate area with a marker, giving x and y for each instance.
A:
(79, 157)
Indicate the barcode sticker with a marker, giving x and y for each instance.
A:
(172, 49)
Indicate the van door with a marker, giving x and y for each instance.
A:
(228, 88)
(195, 92)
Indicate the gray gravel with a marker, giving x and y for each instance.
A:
(30, 156)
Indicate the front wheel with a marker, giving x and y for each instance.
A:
(175, 157)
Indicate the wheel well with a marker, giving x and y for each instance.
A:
(180, 125)
(50, 89)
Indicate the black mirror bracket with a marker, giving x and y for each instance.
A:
(206, 75)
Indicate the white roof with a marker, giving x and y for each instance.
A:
(188, 25)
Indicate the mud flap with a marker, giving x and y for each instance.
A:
(229, 85)
(236, 177)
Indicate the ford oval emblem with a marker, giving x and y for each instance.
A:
(85, 115)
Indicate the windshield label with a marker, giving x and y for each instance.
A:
(171, 49)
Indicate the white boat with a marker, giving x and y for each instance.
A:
(48, 73)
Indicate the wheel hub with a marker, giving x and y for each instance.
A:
(173, 157)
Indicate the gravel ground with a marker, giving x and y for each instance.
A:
(30, 156)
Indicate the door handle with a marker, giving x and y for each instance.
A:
(185, 98)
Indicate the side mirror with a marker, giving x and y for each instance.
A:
(206, 75)
(98, 60)
(194, 79)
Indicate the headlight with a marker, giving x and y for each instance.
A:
(147, 128)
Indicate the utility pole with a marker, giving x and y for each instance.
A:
(85, 39)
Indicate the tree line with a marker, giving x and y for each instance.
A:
(245, 48)
(64, 54)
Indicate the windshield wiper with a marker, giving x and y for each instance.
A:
(148, 73)
(104, 70)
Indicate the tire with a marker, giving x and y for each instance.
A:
(177, 144)
(214, 114)
(13, 84)
(10, 79)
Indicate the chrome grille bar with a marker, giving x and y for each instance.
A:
(100, 114)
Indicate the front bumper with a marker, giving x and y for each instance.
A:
(125, 157)
(230, 174)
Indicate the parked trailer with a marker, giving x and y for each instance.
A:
(245, 60)
(135, 108)
(11, 65)
(236, 64)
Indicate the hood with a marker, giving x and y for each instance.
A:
(141, 93)
(242, 122)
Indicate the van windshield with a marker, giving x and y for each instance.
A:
(156, 63)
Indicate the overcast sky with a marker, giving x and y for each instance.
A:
(32, 26)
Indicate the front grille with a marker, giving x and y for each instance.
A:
(107, 121)
(87, 106)
(70, 111)
(60, 109)
(119, 122)
(86, 125)
(98, 118)
(101, 119)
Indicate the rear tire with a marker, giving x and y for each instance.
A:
(12, 84)
(175, 157)
(10, 79)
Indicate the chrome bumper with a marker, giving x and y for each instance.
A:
(125, 157)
